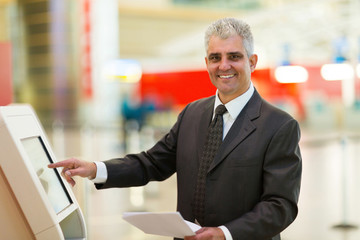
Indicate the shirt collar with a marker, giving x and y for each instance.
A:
(235, 106)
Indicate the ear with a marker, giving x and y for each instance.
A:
(206, 61)
(253, 61)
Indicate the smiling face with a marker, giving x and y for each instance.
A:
(229, 66)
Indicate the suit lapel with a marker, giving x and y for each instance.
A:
(242, 128)
(205, 120)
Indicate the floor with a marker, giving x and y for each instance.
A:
(329, 198)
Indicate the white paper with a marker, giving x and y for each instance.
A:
(194, 227)
(169, 224)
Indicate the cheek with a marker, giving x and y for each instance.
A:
(211, 68)
(212, 73)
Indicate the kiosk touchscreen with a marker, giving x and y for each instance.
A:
(36, 203)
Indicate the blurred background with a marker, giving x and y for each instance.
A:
(108, 77)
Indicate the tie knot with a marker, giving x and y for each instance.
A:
(221, 109)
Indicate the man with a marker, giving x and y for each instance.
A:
(252, 185)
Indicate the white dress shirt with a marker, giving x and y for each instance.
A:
(233, 107)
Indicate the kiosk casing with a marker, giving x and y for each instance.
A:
(35, 202)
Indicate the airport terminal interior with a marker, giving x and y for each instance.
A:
(109, 77)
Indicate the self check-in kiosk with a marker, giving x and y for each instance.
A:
(35, 202)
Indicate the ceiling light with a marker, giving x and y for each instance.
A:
(337, 71)
(291, 74)
(123, 70)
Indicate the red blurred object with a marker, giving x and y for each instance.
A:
(180, 88)
(176, 88)
(6, 92)
(86, 70)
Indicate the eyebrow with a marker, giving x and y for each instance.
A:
(214, 54)
(235, 53)
(228, 54)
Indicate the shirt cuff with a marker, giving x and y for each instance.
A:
(101, 173)
(226, 233)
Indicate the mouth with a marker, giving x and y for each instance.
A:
(227, 76)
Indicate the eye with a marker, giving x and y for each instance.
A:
(235, 57)
(214, 58)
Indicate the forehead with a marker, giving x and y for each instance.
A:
(218, 45)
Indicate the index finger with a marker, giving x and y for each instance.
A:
(65, 163)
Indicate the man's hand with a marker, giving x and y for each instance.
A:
(207, 233)
(75, 167)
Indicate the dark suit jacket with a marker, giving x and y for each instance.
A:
(253, 184)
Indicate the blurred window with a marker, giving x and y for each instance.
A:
(239, 4)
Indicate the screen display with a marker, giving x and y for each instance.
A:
(49, 178)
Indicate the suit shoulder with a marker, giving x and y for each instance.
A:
(196, 108)
(276, 110)
(259, 107)
(201, 103)
(274, 115)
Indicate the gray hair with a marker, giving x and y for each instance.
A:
(227, 27)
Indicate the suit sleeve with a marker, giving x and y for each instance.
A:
(156, 164)
(277, 208)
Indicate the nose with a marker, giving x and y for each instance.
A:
(224, 65)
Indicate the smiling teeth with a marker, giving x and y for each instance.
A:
(226, 76)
